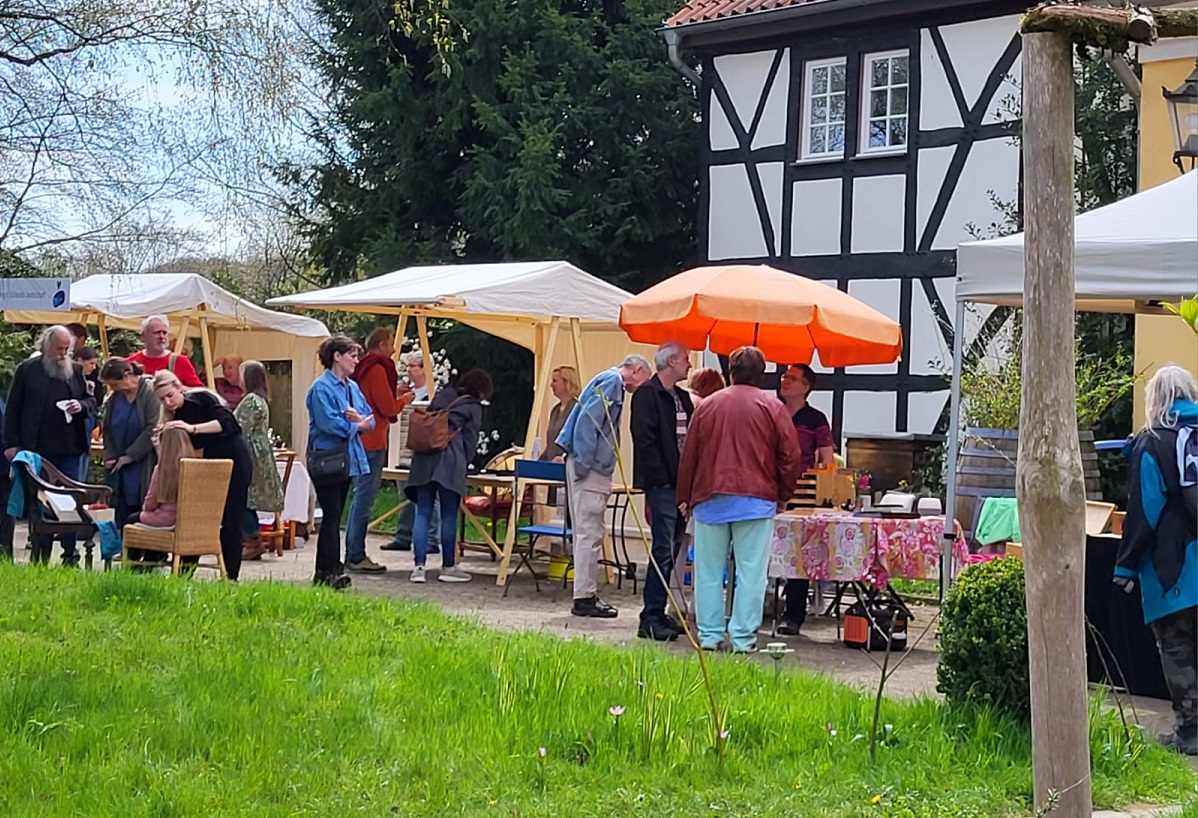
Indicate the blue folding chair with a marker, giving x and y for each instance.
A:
(539, 470)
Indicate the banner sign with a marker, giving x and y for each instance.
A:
(35, 294)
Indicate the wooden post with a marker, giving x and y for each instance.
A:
(422, 332)
(183, 328)
(206, 345)
(401, 328)
(576, 337)
(102, 331)
(1049, 482)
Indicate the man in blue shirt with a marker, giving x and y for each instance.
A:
(590, 438)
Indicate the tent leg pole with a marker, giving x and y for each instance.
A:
(576, 336)
(422, 332)
(183, 328)
(102, 331)
(954, 425)
(401, 329)
(206, 345)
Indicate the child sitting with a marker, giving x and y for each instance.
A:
(161, 504)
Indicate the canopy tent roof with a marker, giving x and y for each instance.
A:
(509, 300)
(125, 300)
(1130, 255)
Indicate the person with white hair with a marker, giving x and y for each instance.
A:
(1159, 549)
(47, 405)
(590, 439)
(157, 355)
(661, 412)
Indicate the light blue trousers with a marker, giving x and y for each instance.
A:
(749, 542)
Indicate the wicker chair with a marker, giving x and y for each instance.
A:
(203, 485)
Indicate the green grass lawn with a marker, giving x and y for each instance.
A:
(129, 695)
(388, 498)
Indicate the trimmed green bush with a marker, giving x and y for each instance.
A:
(983, 638)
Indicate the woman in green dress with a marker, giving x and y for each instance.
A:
(266, 490)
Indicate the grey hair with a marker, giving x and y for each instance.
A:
(635, 362)
(47, 337)
(151, 318)
(661, 359)
(414, 357)
(1170, 384)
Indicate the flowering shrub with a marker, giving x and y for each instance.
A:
(440, 369)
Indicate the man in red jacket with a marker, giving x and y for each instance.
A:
(738, 468)
(379, 381)
(156, 335)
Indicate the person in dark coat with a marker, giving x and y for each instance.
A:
(47, 405)
(442, 475)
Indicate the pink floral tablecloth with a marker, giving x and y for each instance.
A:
(845, 548)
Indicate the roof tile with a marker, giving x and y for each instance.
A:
(700, 10)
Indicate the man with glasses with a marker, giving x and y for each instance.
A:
(418, 380)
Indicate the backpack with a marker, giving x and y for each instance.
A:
(428, 431)
(1187, 468)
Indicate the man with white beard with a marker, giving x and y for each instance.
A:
(34, 421)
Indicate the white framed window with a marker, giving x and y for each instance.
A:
(824, 96)
(884, 102)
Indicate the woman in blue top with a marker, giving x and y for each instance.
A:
(337, 415)
(442, 475)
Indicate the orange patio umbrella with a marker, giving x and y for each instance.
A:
(789, 317)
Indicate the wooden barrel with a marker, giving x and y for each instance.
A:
(986, 468)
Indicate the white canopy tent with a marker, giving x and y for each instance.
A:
(195, 306)
(1130, 256)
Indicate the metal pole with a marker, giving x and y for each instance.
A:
(954, 426)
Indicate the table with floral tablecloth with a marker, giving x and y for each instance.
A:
(849, 548)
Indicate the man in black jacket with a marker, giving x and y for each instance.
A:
(47, 405)
(661, 411)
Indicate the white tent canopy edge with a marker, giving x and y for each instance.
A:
(1130, 256)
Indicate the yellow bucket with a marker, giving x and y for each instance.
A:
(557, 568)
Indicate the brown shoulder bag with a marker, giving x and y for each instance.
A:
(428, 431)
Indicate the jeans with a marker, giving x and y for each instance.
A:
(7, 523)
(69, 466)
(366, 488)
(749, 542)
(667, 539)
(331, 497)
(427, 498)
(249, 524)
(407, 520)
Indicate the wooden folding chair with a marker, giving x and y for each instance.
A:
(203, 485)
(281, 536)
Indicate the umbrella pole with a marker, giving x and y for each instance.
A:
(954, 424)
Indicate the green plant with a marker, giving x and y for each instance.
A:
(983, 638)
(1186, 310)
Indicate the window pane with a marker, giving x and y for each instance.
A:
(836, 138)
(877, 77)
(819, 143)
(898, 131)
(877, 103)
(898, 100)
(819, 80)
(819, 110)
(838, 78)
(898, 71)
(836, 108)
(877, 133)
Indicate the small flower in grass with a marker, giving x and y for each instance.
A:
(724, 734)
(831, 730)
(541, 752)
(661, 695)
(616, 710)
(877, 799)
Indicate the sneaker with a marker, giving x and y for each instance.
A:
(657, 630)
(1173, 741)
(454, 573)
(338, 582)
(673, 624)
(788, 628)
(396, 546)
(710, 648)
(595, 607)
(417, 574)
(750, 648)
(366, 566)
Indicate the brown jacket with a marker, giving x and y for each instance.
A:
(381, 398)
(741, 441)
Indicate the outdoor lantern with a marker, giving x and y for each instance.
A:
(1183, 112)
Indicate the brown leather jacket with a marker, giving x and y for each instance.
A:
(741, 441)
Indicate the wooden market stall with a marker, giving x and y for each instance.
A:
(196, 308)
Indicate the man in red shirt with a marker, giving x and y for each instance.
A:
(156, 335)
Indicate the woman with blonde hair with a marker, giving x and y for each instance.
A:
(215, 432)
(160, 508)
(1159, 550)
(566, 387)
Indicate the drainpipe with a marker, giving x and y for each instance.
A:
(673, 39)
(1128, 78)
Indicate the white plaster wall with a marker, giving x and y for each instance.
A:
(878, 206)
(923, 410)
(937, 108)
(744, 76)
(992, 168)
(733, 229)
(815, 218)
(772, 128)
(883, 296)
(771, 175)
(931, 169)
(975, 48)
(719, 131)
(869, 413)
(1006, 106)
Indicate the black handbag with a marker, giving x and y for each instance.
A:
(327, 466)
